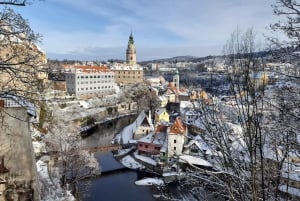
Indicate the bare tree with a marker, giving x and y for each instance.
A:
(288, 50)
(14, 2)
(249, 161)
(22, 61)
(65, 146)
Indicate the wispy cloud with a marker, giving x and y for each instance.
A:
(161, 28)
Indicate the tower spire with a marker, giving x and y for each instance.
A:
(131, 51)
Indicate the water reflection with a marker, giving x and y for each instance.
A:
(118, 185)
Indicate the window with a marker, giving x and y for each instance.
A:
(146, 146)
(174, 148)
(174, 141)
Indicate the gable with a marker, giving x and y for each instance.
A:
(145, 122)
(178, 127)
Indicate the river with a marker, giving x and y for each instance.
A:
(117, 183)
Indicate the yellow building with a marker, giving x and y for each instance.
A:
(161, 114)
(127, 74)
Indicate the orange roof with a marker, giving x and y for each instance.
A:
(90, 69)
(178, 127)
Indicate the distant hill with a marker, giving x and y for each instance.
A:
(179, 59)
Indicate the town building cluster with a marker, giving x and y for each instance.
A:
(90, 81)
(171, 136)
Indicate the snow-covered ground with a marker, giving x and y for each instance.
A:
(149, 181)
(50, 187)
(129, 162)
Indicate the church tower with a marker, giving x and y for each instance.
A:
(176, 79)
(131, 51)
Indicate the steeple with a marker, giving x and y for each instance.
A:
(131, 51)
(176, 78)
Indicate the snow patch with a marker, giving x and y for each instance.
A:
(149, 182)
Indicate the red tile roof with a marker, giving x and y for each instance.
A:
(178, 127)
(90, 69)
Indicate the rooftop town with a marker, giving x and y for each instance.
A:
(192, 120)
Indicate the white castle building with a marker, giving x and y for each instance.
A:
(87, 81)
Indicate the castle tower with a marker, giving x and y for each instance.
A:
(131, 51)
(176, 79)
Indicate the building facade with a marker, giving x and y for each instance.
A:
(127, 74)
(131, 51)
(176, 138)
(87, 81)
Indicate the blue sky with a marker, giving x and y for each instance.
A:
(99, 29)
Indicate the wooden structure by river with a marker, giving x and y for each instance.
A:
(105, 148)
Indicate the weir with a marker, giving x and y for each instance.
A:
(105, 148)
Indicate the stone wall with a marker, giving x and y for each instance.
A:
(17, 150)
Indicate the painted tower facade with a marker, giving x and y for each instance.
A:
(176, 79)
(131, 51)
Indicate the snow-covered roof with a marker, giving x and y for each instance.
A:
(194, 160)
(270, 153)
(290, 190)
(154, 138)
(129, 162)
(126, 67)
(18, 101)
(128, 131)
(239, 145)
(145, 159)
(186, 104)
(192, 142)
